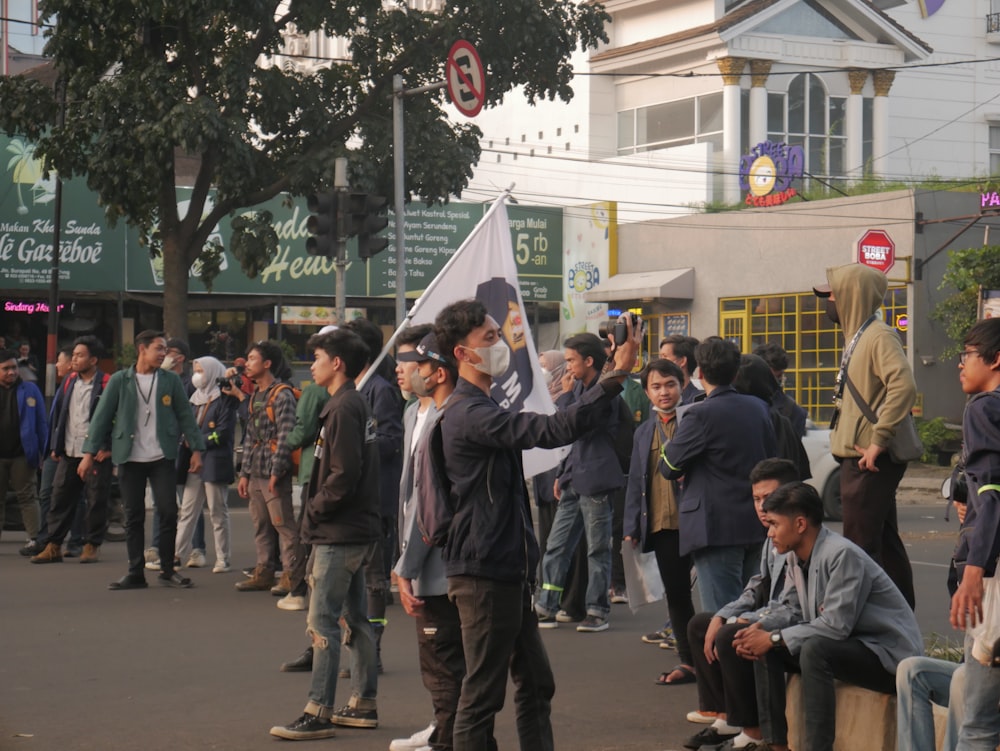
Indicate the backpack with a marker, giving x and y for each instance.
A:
(296, 457)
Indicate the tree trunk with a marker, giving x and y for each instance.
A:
(175, 287)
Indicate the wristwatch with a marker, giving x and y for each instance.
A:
(776, 639)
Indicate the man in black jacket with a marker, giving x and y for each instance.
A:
(341, 522)
(490, 553)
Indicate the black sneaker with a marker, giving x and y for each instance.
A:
(353, 717)
(308, 727)
(174, 580)
(31, 548)
(707, 737)
(547, 621)
(593, 624)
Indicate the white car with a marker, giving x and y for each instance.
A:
(825, 469)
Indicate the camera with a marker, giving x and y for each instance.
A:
(617, 330)
(233, 381)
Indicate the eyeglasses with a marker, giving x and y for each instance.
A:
(963, 356)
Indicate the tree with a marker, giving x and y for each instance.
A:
(149, 82)
(967, 270)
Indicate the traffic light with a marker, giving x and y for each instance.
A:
(366, 217)
(322, 224)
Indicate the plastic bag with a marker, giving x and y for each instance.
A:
(643, 584)
(986, 634)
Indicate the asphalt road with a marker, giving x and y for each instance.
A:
(85, 669)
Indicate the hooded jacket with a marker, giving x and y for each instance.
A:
(878, 368)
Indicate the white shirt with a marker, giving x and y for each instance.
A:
(145, 445)
(78, 417)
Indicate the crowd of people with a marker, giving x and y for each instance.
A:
(417, 471)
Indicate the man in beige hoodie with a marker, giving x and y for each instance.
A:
(875, 363)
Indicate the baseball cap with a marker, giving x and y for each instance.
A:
(822, 290)
(181, 346)
(427, 349)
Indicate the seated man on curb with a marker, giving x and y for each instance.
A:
(857, 628)
(725, 680)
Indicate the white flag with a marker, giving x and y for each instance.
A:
(483, 268)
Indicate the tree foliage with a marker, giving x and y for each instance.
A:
(148, 82)
(967, 270)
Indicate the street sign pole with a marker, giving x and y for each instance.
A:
(465, 82)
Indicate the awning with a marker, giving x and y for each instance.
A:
(677, 284)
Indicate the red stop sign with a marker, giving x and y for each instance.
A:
(876, 249)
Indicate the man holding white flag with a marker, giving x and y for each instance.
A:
(490, 550)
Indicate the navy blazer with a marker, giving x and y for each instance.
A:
(718, 441)
(636, 521)
(219, 431)
(64, 395)
(592, 468)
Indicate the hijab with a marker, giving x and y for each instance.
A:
(213, 370)
(554, 363)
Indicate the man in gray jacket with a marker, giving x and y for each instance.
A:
(857, 626)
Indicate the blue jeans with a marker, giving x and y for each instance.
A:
(723, 571)
(980, 729)
(338, 588)
(919, 682)
(576, 515)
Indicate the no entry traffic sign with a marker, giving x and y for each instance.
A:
(466, 78)
(876, 249)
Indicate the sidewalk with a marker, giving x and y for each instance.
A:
(922, 484)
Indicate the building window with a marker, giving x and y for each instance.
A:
(995, 149)
(814, 345)
(806, 116)
(661, 126)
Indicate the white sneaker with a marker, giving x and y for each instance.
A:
(196, 559)
(702, 718)
(151, 554)
(293, 602)
(416, 742)
(153, 565)
(221, 567)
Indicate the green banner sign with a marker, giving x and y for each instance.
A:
(92, 255)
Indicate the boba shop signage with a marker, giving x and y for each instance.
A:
(767, 172)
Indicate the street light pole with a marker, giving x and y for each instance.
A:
(52, 338)
(399, 183)
(398, 194)
(340, 263)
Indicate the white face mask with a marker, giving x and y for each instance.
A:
(168, 362)
(198, 380)
(494, 360)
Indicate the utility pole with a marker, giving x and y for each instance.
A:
(340, 264)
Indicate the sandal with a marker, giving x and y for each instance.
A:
(687, 676)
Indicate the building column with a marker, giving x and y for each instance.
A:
(880, 126)
(759, 71)
(732, 70)
(854, 128)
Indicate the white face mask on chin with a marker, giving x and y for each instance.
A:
(494, 360)
(168, 362)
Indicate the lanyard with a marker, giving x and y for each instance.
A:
(838, 391)
(664, 440)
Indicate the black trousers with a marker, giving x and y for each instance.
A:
(442, 663)
(869, 506)
(821, 661)
(132, 478)
(500, 633)
(675, 570)
(66, 489)
(727, 684)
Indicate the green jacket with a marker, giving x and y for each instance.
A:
(116, 414)
(303, 436)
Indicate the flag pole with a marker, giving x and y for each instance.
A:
(430, 287)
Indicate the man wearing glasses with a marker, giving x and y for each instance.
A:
(873, 370)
